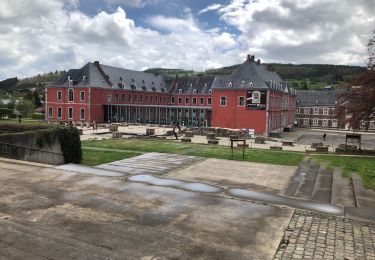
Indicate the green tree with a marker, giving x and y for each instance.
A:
(25, 107)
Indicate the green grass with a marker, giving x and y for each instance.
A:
(364, 166)
(209, 151)
(92, 157)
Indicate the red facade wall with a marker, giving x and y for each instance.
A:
(234, 116)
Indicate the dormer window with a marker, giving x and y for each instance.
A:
(205, 85)
(143, 81)
(162, 89)
(180, 91)
(153, 83)
(243, 81)
(121, 85)
(251, 84)
(194, 91)
(144, 88)
(191, 85)
(230, 84)
(107, 76)
(84, 77)
(121, 78)
(133, 79)
(210, 91)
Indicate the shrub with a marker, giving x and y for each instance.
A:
(37, 116)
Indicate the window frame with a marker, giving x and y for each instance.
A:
(223, 98)
(70, 110)
(59, 94)
(49, 115)
(70, 90)
(80, 114)
(59, 112)
(80, 96)
(209, 101)
(239, 101)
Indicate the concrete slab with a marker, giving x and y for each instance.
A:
(364, 198)
(151, 163)
(257, 176)
(342, 190)
(94, 217)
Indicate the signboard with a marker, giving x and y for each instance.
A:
(256, 100)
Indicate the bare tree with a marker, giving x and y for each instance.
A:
(359, 99)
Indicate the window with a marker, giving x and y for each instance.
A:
(59, 112)
(194, 91)
(316, 110)
(141, 99)
(70, 112)
(201, 101)
(116, 98)
(306, 121)
(334, 123)
(180, 91)
(325, 111)
(123, 97)
(194, 101)
(160, 100)
(325, 122)
(82, 114)
(172, 100)
(135, 99)
(241, 101)
(230, 84)
(50, 112)
(210, 91)
(59, 95)
(209, 101)
(187, 100)
(70, 95)
(130, 98)
(315, 122)
(223, 101)
(306, 110)
(82, 96)
(179, 100)
(151, 98)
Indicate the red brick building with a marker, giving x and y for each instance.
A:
(252, 97)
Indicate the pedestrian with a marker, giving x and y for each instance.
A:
(176, 125)
(324, 136)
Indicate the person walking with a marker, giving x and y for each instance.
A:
(324, 136)
(176, 125)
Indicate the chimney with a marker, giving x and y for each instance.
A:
(252, 58)
(96, 62)
(258, 61)
(248, 57)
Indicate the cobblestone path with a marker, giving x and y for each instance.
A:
(316, 236)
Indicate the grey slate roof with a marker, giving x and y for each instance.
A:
(318, 97)
(201, 84)
(251, 74)
(90, 75)
(248, 75)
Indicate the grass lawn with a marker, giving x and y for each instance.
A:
(210, 151)
(364, 166)
(92, 157)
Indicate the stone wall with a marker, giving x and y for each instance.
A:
(24, 146)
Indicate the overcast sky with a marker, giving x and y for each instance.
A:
(39, 36)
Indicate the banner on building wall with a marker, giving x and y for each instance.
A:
(256, 100)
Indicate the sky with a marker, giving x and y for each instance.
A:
(38, 36)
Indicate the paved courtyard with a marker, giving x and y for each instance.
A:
(173, 207)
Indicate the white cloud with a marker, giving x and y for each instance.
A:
(210, 8)
(313, 31)
(57, 38)
(133, 3)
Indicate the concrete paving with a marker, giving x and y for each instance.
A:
(57, 214)
(256, 176)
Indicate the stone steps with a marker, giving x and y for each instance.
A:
(314, 181)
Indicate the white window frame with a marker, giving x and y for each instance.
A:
(194, 100)
(209, 101)
(59, 111)
(316, 110)
(179, 100)
(180, 91)
(306, 111)
(325, 122)
(239, 103)
(50, 109)
(109, 98)
(80, 114)
(325, 111)
(334, 122)
(223, 98)
(187, 101)
(305, 121)
(201, 101)
(70, 109)
(59, 93)
(70, 90)
(315, 122)
(80, 95)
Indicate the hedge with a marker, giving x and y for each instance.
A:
(38, 116)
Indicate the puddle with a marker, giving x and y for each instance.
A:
(290, 202)
(198, 187)
(89, 170)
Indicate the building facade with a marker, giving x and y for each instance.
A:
(319, 109)
(251, 97)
